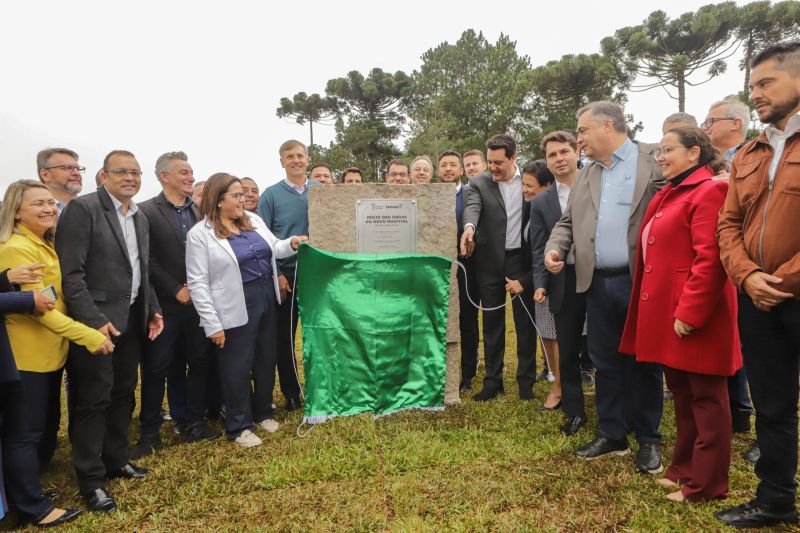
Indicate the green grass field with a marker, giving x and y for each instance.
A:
(498, 466)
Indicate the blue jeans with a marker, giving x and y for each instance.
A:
(629, 394)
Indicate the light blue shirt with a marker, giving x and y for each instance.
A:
(616, 194)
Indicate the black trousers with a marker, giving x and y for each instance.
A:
(181, 340)
(249, 352)
(569, 330)
(468, 318)
(101, 396)
(771, 348)
(287, 371)
(25, 425)
(491, 288)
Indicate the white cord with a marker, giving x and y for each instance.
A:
(521, 301)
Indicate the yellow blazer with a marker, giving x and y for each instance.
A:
(40, 344)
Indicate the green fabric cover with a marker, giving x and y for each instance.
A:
(373, 331)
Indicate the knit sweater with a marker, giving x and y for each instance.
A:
(285, 211)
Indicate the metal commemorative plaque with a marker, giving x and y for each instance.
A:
(387, 225)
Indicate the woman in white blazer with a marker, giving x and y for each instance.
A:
(230, 269)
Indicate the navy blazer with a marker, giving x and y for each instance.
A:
(545, 212)
(10, 302)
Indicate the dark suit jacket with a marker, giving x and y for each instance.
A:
(485, 209)
(167, 252)
(545, 212)
(10, 302)
(96, 272)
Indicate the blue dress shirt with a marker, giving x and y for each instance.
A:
(254, 255)
(617, 182)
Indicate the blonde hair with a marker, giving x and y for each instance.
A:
(11, 203)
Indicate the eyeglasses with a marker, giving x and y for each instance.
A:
(398, 175)
(124, 171)
(237, 195)
(68, 168)
(707, 123)
(664, 150)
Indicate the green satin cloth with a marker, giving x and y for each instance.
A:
(373, 331)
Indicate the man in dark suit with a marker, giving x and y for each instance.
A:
(450, 170)
(103, 247)
(568, 307)
(601, 225)
(171, 215)
(494, 218)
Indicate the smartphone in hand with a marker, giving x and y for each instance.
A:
(49, 293)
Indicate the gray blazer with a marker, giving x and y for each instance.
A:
(96, 272)
(578, 224)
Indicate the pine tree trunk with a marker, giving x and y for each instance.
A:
(681, 92)
(748, 56)
(311, 131)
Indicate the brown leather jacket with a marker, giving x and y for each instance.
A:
(758, 225)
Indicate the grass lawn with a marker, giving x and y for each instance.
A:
(495, 466)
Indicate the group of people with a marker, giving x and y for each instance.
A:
(673, 261)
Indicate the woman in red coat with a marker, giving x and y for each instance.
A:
(682, 312)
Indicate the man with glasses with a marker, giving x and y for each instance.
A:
(59, 171)
(726, 124)
(601, 224)
(103, 246)
(398, 172)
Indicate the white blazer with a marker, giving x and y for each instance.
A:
(214, 279)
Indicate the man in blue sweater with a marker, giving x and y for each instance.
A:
(284, 208)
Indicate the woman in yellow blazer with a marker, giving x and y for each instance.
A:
(39, 344)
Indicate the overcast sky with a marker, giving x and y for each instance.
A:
(206, 77)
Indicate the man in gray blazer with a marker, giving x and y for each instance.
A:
(103, 248)
(494, 218)
(608, 201)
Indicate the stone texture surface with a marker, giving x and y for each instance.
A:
(332, 226)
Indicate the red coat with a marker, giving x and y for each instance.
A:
(684, 279)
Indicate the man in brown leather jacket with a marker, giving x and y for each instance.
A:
(760, 249)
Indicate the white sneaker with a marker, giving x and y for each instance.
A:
(248, 439)
(269, 425)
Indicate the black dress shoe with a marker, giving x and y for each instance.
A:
(129, 471)
(68, 516)
(487, 394)
(465, 386)
(572, 426)
(648, 458)
(752, 455)
(753, 514)
(99, 500)
(602, 446)
(146, 446)
(200, 431)
(542, 376)
(293, 404)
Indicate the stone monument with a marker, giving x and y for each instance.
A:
(380, 218)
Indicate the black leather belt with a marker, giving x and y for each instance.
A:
(514, 251)
(611, 271)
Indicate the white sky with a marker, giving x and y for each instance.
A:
(206, 77)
